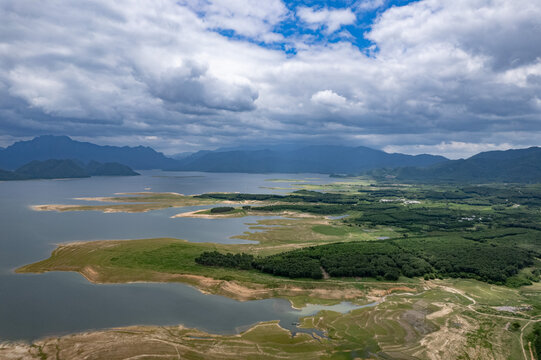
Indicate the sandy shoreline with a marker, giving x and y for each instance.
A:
(151, 341)
(199, 214)
(106, 210)
(240, 292)
(53, 207)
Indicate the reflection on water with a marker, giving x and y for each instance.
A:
(343, 308)
(312, 309)
(338, 217)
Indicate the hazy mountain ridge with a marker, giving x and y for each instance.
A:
(63, 169)
(324, 159)
(521, 165)
(516, 165)
(62, 147)
(290, 158)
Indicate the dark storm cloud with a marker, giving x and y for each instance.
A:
(189, 89)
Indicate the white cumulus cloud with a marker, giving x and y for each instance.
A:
(330, 19)
(365, 5)
(255, 19)
(328, 97)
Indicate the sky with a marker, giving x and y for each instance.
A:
(430, 76)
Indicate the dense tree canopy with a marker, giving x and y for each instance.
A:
(387, 260)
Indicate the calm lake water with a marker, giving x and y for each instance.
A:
(38, 305)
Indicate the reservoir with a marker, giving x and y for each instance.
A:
(57, 303)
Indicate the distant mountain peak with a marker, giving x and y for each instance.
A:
(310, 158)
(49, 138)
(291, 158)
(47, 147)
(513, 166)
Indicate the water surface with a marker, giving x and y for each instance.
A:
(37, 305)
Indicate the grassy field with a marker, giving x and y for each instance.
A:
(165, 259)
(448, 318)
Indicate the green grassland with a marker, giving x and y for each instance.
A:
(169, 259)
(456, 232)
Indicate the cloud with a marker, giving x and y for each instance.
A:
(189, 88)
(439, 72)
(113, 77)
(330, 19)
(366, 5)
(328, 98)
(452, 149)
(493, 30)
(254, 19)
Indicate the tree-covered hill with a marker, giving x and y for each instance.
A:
(520, 166)
(323, 159)
(62, 147)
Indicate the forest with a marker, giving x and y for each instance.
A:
(484, 232)
(221, 209)
(229, 260)
(489, 194)
(428, 208)
(388, 259)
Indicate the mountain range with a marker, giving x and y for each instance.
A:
(62, 147)
(324, 159)
(521, 165)
(516, 165)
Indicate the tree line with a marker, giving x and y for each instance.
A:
(454, 257)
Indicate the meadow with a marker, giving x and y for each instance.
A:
(454, 267)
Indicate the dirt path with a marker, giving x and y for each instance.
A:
(461, 293)
(326, 275)
(471, 308)
(522, 341)
(532, 357)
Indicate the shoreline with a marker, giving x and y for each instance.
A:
(227, 288)
(125, 338)
(241, 289)
(238, 331)
(198, 214)
(176, 341)
(393, 296)
(240, 292)
(284, 214)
